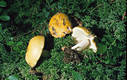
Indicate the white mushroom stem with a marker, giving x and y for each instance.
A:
(87, 41)
(82, 45)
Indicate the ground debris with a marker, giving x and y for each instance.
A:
(70, 55)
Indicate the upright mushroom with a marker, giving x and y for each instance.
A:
(34, 50)
(59, 25)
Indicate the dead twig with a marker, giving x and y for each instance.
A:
(123, 15)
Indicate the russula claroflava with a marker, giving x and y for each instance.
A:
(59, 25)
(83, 38)
(34, 50)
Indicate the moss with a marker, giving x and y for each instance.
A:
(29, 18)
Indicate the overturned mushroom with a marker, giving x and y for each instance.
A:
(84, 39)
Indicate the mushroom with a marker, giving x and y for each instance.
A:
(34, 50)
(59, 25)
(84, 39)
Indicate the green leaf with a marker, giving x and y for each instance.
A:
(4, 18)
(3, 4)
(102, 48)
(19, 43)
(10, 43)
(97, 78)
(13, 77)
(76, 75)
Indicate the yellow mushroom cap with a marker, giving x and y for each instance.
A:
(59, 25)
(84, 38)
(34, 50)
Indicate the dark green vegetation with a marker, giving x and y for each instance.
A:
(28, 18)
